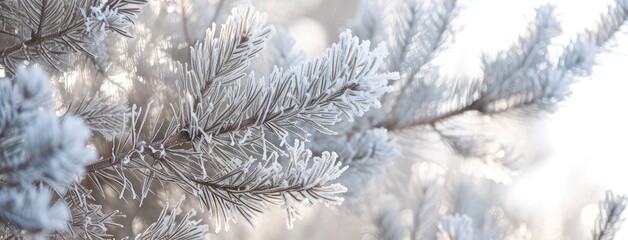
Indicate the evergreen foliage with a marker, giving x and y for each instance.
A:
(98, 112)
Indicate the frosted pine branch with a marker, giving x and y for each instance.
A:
(515, 80)
(609, 23)
(609, 220)
(46, 31)
(223, 116)
(168, 227)
(246, 187)
(519, 79)
(316, 92)
(38, 153)
(35, 145)
(223, 60)
(100, 114)
(87, 221)
(30, 211)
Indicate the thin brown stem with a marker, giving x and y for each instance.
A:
(393, 126)
(36, 40)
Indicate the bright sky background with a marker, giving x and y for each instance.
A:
(586, 137)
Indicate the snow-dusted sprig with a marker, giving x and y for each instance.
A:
(456, 227)
(135, 154)
(223, 117)
(34, 145)
(100, 114)
(609, 23)
(87, 220)
(223, 60)
(246, 187)
(46, 31)
(518, 76)
(227, 188)
(519, 81)
(609, 220)
(36, 149)
(343, 81)
(168, 227)
(420, 33)
(114, 15)
(30, 210)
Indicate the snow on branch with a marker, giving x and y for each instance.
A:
(46, 31)
(518, 76)
(246, 187)
(229, 107)
(100, 114)
(31, 210)
(514, 80)
(34, 145)
(38, 153)
(223, 60)
(609, 23)
(522, 77)
(168, 227)
(87, 220)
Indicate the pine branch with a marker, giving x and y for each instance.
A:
(168, 227)
(519, 78)
(100, 114)
(246, 187)
(609, 24)
(51, 29)
(609, 220)
(421, 34)
(38, 154)
(316, 92)
(87, 220)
